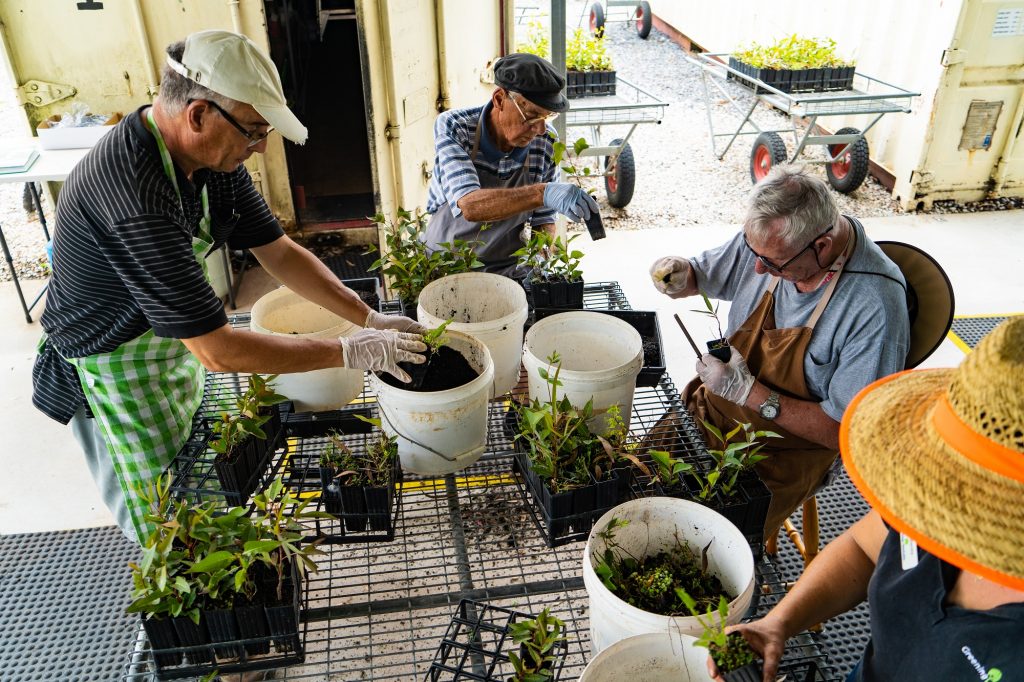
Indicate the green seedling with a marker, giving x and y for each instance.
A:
(537, 639)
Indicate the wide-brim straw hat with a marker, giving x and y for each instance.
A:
(940, 455)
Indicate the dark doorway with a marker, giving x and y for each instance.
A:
(316, 46)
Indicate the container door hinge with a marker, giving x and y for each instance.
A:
(41, 93)
(393, 132)
(953, 56)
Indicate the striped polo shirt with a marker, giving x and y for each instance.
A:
(455, 175)
(122, 256)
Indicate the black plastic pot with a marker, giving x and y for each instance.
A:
(239, 470)
(720, 349)
(795, 80)
(283, 616)
(190, 634)
(575, 84)
(759, 497)
(160, 632)
(353, 507)
(595, 226)
(223, 627)
(409, 308)
(252, 624)
(748, 673)
(368, 289)
(563, 295)
(599, 83)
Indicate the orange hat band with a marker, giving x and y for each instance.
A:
(983, 451)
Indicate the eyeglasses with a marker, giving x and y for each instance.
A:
(531, 122)
(779, 268)
(254, 138)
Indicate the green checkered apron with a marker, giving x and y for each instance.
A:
(144, 394)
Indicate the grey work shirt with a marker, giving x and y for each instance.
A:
(863, 335)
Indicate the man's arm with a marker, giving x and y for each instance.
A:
(306, 275)
(803, 418)
(483, 205)
(835, 582)
(235, 350)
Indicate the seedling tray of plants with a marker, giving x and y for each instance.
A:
(259, 636)
(477, 644)
(362, 512)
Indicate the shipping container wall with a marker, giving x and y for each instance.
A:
(913, 44)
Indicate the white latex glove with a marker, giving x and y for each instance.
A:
(381, 351)
(730, 380)
(671, 275)
(398, 323)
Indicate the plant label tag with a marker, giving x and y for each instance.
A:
(908, 552)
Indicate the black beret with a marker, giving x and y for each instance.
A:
(534, 78)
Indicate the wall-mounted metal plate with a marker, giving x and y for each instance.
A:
(41, 93)
(980, 125)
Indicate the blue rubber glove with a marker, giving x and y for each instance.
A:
(569, 200)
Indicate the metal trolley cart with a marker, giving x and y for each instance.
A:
(846, 151)
(620, 10)
(628, 106)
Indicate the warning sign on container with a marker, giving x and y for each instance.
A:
(980, 125)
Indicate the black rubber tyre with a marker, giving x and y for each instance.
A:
(644, 18)
(619, 185)
(848, 173)
(596, 18)
(769, 151)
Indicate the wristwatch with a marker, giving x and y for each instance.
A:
(770, 408)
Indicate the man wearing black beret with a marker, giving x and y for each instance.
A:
(493, 165)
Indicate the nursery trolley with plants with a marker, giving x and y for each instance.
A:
(846, 151)
(628, 106)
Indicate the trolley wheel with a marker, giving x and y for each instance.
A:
(769, 151)
(620, 178)
(848, 172)
(596, 18)
(643, 19)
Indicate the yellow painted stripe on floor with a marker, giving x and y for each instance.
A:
(958, 342)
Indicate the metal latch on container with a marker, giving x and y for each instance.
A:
(41, 93)
(393, 132)
(953, 56)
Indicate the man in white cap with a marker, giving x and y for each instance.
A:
(131, 323)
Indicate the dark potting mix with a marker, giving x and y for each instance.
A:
(445, 368)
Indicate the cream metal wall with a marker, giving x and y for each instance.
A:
(944, 50)
(109, 58)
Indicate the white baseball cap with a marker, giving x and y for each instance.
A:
(231, 65)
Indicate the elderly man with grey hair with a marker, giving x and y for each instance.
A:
(818, 312)
(131, 322)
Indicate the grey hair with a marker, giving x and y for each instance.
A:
(801, 200)
(176, 90)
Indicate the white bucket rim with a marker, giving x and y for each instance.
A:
(343, 328)
(631, 366)
(522, 307)
(650, 641)
(486, 375)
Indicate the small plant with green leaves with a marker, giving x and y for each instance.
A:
(794, 53)
(436, 338)
(410, 264)
(656, 583)
(730, 652)
(537, 40)
(585, 52)
(372, 469)
(247, 420)
(733, 458)
(335, 453)
(666, 469)
(550, 259)
(710, 310)
(538, 639)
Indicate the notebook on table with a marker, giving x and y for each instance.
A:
(17, 159)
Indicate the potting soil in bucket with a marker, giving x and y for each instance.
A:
(489, 307)
(661, 657)
(601, 358)
(282, 312)
(439, 431)
(654, 524)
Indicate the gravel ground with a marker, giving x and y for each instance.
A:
(679, 181)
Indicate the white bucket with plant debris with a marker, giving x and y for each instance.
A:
(654, 525)
(489, 307)
(661, 657)
(601, 358)
(282, 312)
(440, 431)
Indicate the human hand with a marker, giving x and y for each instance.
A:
(671, 275)
(767, 638)
(381, 351)
(398, 323)
(569, 200)
(730, 380)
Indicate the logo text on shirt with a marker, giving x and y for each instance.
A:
(989, 675)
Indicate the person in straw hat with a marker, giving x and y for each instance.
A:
(131, 321)
(939, 455)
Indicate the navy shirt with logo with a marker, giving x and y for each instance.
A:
(916, 635)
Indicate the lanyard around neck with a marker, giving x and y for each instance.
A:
(165, 160)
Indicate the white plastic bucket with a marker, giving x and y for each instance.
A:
(653, 524)
(489, 307)
(601, 358)
(282, 312)
(440, 431)
(661, 657)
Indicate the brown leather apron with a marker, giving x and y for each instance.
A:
(795, 467)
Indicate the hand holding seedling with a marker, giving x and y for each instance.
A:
(381, 351)
(672, 276)
(767, 637)
(730, 380)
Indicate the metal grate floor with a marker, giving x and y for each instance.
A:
(968, 331)
(62, 605)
